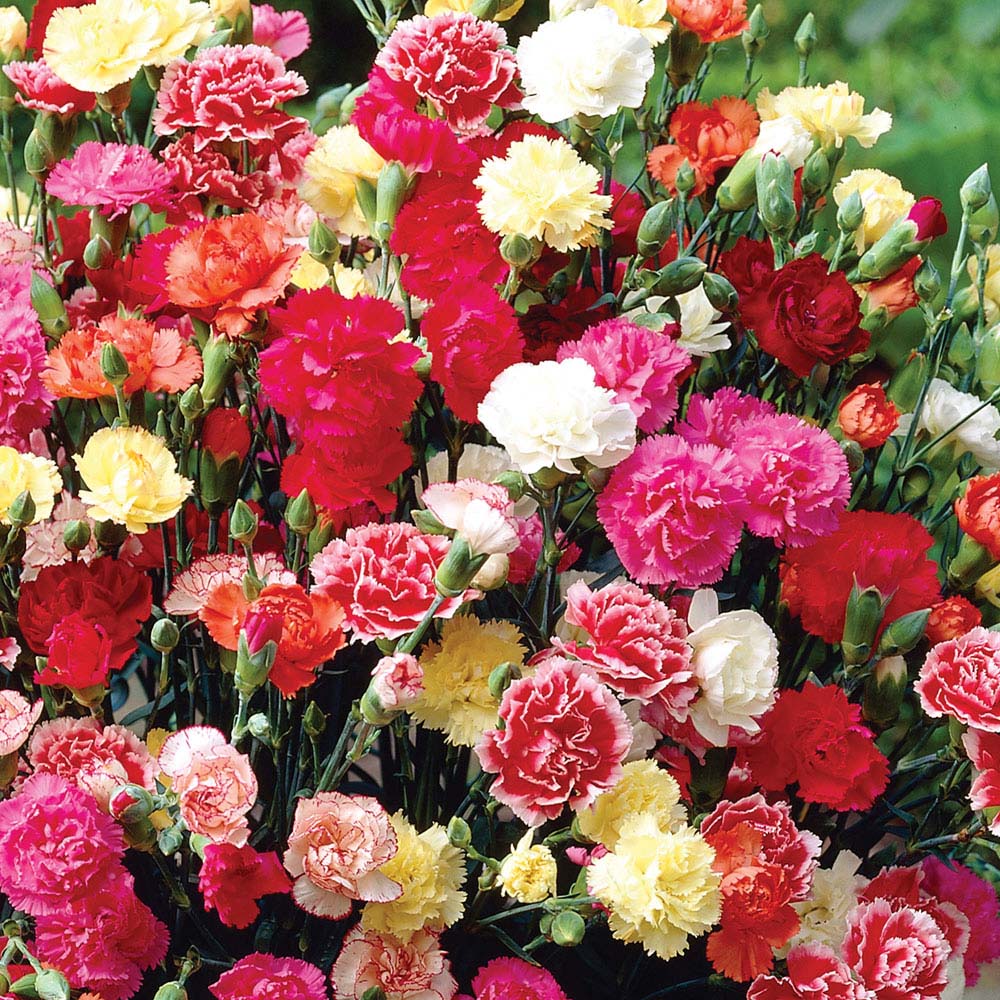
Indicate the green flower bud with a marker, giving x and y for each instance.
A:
(904, 387)
(903, 634)
(219, 364)
(984, 223)
(367, 198)
(109, 535)
(976, 190)
(428, 523)
(393, 187)
(243, 523)
(851, 213)
(917, 483)
(164, 636)
(655, 229)
(684, 179)
(313, 721)
(805, 37)
(171, 991)
(457, 569)
(884, 691)
(756, 33)
(988, 360)
(520, 251)
(51, 985)
(927, 281)
(854, 454)
(97, 254)
(739, 189)
(114, 367)
(459, 833)
(775, 195)
(300, 514)
(500, 679)
(720, 292)
(567, 929)
(259, 727)
(679, 276)
(76, 535)
(816, 174)
(686, 55)
(329, 103)
(49, 306)
(170, 840)
(548, 479)
(962, 350)
(514, 483)
(865, 608)
(323, 243)
(191, 404)
(22, 510)
(971, 561)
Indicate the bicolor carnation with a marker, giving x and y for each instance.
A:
(41, 90)
(17, 716)
(815, 972)
(961, 678)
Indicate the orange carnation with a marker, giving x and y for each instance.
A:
(952, 618)
(867, 416)
(978, 512)
(159, 359)
(227, 269)
(710, 20)
(895, 292)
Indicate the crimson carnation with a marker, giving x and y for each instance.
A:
(473, 336)
(748, 264)
(805, 316)
(232, 879)
(79, 655)
(209, 174)
(674, 511)
(587, 736)
(548, 325)
(41, 90)
(961, 678)
(814, 737)
(875, 549)
(260, 975)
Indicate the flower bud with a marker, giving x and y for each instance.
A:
(903, 634)
(51, 985)
(428, 522)
(171, 991)
(219, 364)
(684, 179)
(459, 833)
(373, 993)
(805, 37)
(686, 55)
(164, 636)
(904, 387)
(492, 575)
(851, 213)
(323, 243)
(865, 608)
(567, 929)
(679, 276)
(191, 404)
(519, 251)
(775, 198)
(988, 360)
(962, 350)
(854, 454)
(313, 721)
(655, 229)
(22, 511)
(259, 727)
(109, 535)
(514, 483)
(300, 514)
(816, 174)
(367, 199)
(97, 254)
(756, 32)
(396, 685)
(720, 292)
(977, 189)
(130, 804)
(49, 306)
(76, 535)
(256, 648)
(739, 189)
(917, 483)
(170, 840)
(500, 678)
(393, 186)
(884, 691)
(330, 102)
(243, 524)
(971, 561)
(905, 238)
(927, 281)
(984, 223)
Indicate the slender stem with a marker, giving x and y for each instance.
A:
(8, 157)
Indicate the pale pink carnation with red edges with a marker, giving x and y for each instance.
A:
(337, 845)
(383, 577)
(55, 845)
(814, 973)
(41, 90)
(674, 511)
(260, 975)
(640, 366)
(587, 736)
(17, 247)
(413, 970)
(481, 513)
(637, 644)
(95, 757)
(459, 64)
(797, 479)
(17, 716)
(984, 751)
(103, 941)
(524, 559)
(285, 33)
(719, 419)
(232, 879)
(226, 93)
(898, 954)
(9, 652)
(398, 681)
(505, 978)
(111, 177)
(194, 585)
(961, 678)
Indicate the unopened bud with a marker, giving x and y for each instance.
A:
(884, 691)
(191, 403)
(927, 281)
(567, 929)
(313, 721)
(903, 634)
(323, 243)
(679, 276)
(854, 454)
(805, 37)
(393, 184)
(130, 803)
(51, 985)
(170, 841)
(655, 229)
(917, 483)
(300, 514)
(962, 350)
(816, 174)
(22, 510)
(988, 360)
(984, 223)
(720, 292)
(428, 522)
(775, 195)
(684, 179)
(171, 991)
(865, 608)
(501, 677)
(109, 535)
(243, 524)
(514, 483)
(164, 636)
(459, 833)
(97, 254)
(519, 251)
(76, 535)
(756, 32)
(971, 561)
(219, 365)
(739, 189)
(49, 306)
(976, 190)
(367, 199)
(905, 384)
(259, 727)
(851, 213)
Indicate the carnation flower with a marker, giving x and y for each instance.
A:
(720, 419)
(41, 90)
(658, 886)
(552, 413)
(952, 618)
(814, 973)
(26, 473)
(834, 893)
(867, 417)
(413, 970)
(829, 113)
(961, 678)
(587, 63)
(640, 366)
(262, 975)
(227, 269)
(131, 478)
(884, 201)
(501, 977)
(17, 717)
(430, 872)
(894, 293)
(674, 512)
(645, 15)
(383, 577)
(710, 20)
(209, 174)
(285, 33)
(193, 585)
(456, 698)
(523, 561)
(978, 512)
(589, 736)
(480, 513)
(528, 873)
(457, 63)
(541, 189)
(397, 682)
(983, 749)
(232, 879)
(79, 657)
(815, 737)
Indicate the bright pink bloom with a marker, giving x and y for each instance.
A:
(506, 978)
(564, 742)
(641, 366)
(112, 178)
(674, 511)
(226, 93)
(637, 644)
(383, 577)
(720, 419)
(814, 973)
(961, 678)
(42, 90)
(984, 752)
(929, 219)
(17, 717)
(259, 976)
(524, 559)
(285, 33)
(55, 845)
(232, 879)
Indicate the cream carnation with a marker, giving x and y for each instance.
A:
(831, 113)
(13, 32)
(701, 334)
(834, 893)
(553, 413)
(528, 873)
(31, 474)
(587, 63)
(786, 136)
(884, 199)
(645, 15)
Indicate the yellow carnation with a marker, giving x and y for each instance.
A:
(528, 873)
(645, 15)
(643, 788)
(508, 8)
(658, 886)
(339, 158)
(131, 478)
(991, 292)
(351, 282)
(230, 9)
(831, 113)
(27, 474)
(885, 200)
(309, 273)
(13, 32)
(431, 872)
(543, 190)
(456, 699)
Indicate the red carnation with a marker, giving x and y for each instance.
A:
(225, 435)
(814, 738)
(546, 326)
(232, 879)
(79, 654)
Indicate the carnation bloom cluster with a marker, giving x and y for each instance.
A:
(462, 535)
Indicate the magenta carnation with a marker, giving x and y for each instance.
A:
(505, 978)
(260, 975)
(641, 367)
(718, 420)
(586, 737)
(112, 178)
(674, 511)
(285, 33)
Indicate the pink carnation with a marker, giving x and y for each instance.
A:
(226, 93)
(95, 757)
(41, 90)
(674, 511)
(524, 559)
(259, 976)
(719, 420)
(586, 738)
(44, 541)
(285, 33)
(112, 178)
(459, 64)
(55, 845)
(641, 367)
(232, 879)
(984, 751)
(637, 644)
(413, 970)
(797, 480)
(17, 717)
(103, 941)
(383, 577)
(961, 678)
(505, 978)
(397, 681)
(814, 973)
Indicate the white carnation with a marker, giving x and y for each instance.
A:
(834, 893)
(586, 63)
(552, 413)
(787, 136)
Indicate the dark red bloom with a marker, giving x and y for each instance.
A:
(546, 326)
(748, 264)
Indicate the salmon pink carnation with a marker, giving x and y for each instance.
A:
(232, 879)
(264, 976)
(674, 511)
(505, 978)
(710, 20)
(17, 717)
(978, 512)
(867, 417)
(961, 678)
(383, 577)
(951, 619)
(587, 736)
(720, 419)
(814, 973)
(41, 90)
(642, 367)
(285, 33)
